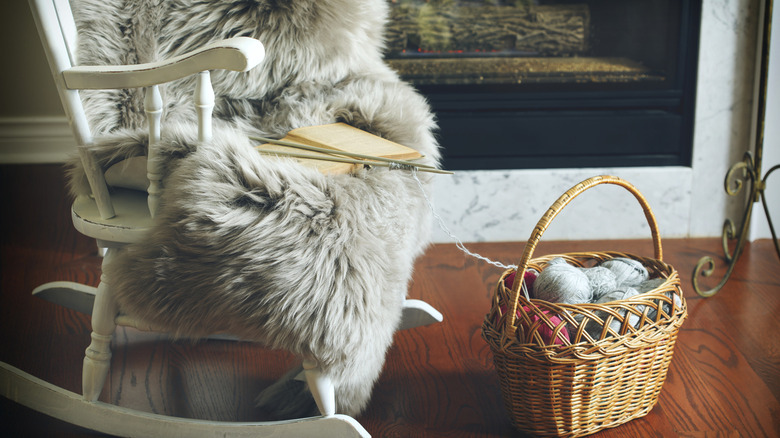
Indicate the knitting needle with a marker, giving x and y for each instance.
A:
(349, 160)
(338, 152)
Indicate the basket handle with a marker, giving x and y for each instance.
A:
(553, 211)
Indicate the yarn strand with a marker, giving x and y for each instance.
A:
(452, 236)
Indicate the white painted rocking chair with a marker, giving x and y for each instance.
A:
(117, 219)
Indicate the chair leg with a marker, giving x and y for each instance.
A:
(97, 359)
(321, 387)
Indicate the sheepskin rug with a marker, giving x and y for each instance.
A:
(259, 247)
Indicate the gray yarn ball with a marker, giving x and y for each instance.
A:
(558, 261)
(562, 283)
(648, 285)
(677, 302)
(601, 280)
(652, 284)
(628, 272)
(652, 314)
(621, 293)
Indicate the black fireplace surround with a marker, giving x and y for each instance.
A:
(601, 83)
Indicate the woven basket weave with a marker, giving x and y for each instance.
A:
(582, 375)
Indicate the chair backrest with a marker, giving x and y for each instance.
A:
(57, 30)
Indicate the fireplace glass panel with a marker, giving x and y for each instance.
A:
(518, 83)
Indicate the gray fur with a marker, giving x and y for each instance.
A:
(260, 247)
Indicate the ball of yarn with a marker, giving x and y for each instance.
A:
(563, 283)
(648, 285)
(628, 272)
(654, 283)
(677, 303)
(558, 261)
(667, 308)
(529, 277)
(621, 293)
(543, 329)
(601, 280)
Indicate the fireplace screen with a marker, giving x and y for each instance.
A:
(486, 63)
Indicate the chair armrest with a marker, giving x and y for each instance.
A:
(236, 54)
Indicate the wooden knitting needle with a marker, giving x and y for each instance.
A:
(339, 152)
(352, 161)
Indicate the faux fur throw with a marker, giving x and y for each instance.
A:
(259, 247)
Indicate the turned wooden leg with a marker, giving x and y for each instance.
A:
(97, 359)
(321, 387)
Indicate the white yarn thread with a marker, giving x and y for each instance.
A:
(452, 236)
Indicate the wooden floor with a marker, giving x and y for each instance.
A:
(439, 381)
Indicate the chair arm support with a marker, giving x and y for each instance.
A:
(236, 54)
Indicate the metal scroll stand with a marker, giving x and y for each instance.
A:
(746, 173)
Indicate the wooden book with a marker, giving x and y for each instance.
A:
(340, 137)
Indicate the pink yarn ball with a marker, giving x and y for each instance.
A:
(529, 277)
(544, 331)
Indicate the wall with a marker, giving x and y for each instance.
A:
(33, 128)
(759, 227)
(492, 205)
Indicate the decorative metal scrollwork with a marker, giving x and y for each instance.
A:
(745, 173)
(734, 184)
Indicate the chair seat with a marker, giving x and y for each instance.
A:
(130, 223)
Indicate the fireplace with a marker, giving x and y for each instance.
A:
(540, 84)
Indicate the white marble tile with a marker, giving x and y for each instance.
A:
(723, 109)
(506, 205)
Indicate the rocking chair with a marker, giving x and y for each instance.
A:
(118, 217)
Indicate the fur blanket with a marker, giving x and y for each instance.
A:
(260, 247)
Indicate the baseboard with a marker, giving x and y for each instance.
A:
(30, 140)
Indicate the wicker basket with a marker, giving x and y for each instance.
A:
(567, 370)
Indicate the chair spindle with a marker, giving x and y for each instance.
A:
(153, 107)
(97, 184)
(204, 105)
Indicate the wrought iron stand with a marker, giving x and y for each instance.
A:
(746, 173)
